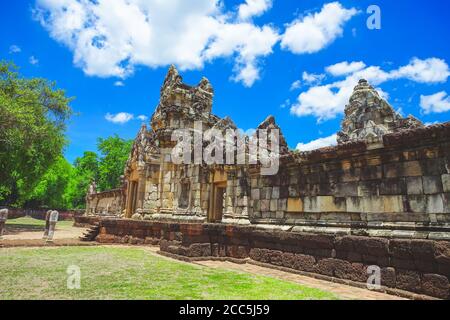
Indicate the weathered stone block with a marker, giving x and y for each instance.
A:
(401, 249)
(351, 271)
(304, 262)
(446, 182)
(351, 175)
(435, 204)
(325, 204)
(435, 285)
(412, 169)
(446, 200)
(288, 259)
(392, 170)
(265, 205)
(293, 191)
(294, 205)
(275, 192)
(325, 266)
(282, 204)
(256, 205)
(273, 205)
(433, 167)
(371, 172)
(432, 184)
(414, 185)
(349, 189)
(408, 280)
(354, 204)
(255, 193)
(388, 277)
(368, 188)
(417, 203)
(267, 192)
(393, 204)
(372, 204)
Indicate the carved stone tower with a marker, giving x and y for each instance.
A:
(368, 117)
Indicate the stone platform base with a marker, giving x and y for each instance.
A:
(417, 266)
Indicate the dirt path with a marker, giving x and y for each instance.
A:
(27, 237)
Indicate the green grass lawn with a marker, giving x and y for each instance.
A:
(131, 273)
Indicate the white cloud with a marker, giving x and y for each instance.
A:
(253, 8)
(142, 117)
(14, 49)
(109, 38)
(296, 85)
(33, 60)
(425, 71)
(311, 78)
(121, 117)
(435, 103)
(319, 143)
(343, 68)
(327, 101)
(248, 42)
(285, 104)
(119, 84)
(315, 31)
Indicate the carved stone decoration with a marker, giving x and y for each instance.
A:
(368, 117)
(270, 124)
(140, 149)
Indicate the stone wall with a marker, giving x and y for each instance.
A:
(105, 203)
(405, 180)
(417, 266)
(14, 213)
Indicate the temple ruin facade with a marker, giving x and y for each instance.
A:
(384, 169)
(379, 198)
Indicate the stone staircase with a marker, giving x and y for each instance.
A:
(91, 233)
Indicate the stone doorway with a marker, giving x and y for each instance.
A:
(132, 198)
(219, 201)
(217, 197)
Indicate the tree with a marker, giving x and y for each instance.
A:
(33, 115)
(51, 190)
(85, 170)
(114, 154)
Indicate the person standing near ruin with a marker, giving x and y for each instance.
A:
(53, 219)
(3, 218)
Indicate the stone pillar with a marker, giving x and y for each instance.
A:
(140, 190)
(3, 218)
(47, 224)
(53, 219)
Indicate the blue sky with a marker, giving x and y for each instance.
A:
(264, 57)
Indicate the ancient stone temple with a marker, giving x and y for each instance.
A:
(380, 196)
(384, 168)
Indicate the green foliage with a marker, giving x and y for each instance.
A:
(85, 170)
(52, 187)
(64, 186)
(33, 115)
(33, 171)
(114, 154)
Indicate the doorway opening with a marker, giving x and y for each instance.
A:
(132, 198)
(218, 203)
